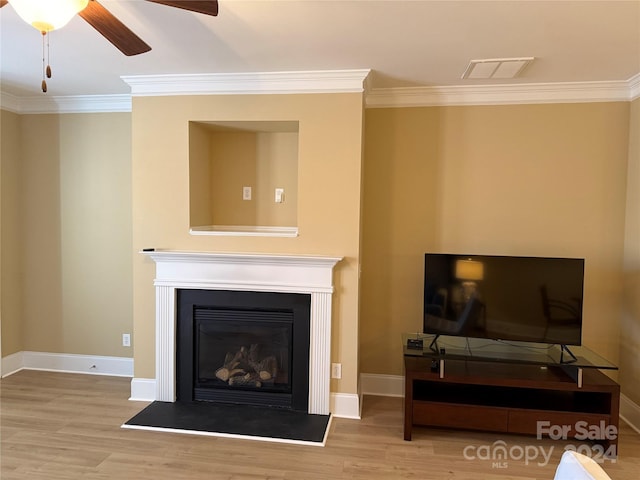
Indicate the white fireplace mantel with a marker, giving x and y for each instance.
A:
(250, 272)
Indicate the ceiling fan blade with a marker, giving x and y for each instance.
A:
(3, 3)
(113, 29)
(207, 7)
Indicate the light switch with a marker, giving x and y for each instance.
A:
(279, 195)
(246, 193)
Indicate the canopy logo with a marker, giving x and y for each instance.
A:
(499, 453)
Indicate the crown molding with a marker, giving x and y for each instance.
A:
(327, 81)
(9, 102)
(525, 93)
(634, 87)
(65, 104)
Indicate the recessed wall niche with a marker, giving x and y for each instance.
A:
(235, 169)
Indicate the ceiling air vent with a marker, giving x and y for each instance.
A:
(496, 67)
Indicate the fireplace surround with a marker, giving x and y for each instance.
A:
(245, 272)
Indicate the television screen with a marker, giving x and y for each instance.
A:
(531, 299)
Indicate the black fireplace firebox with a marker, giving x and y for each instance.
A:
(243, 348)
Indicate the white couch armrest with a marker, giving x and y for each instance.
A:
(575, 466)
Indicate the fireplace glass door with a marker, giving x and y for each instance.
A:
(243, 351)
(243, 347)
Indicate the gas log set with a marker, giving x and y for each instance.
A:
(246, 368)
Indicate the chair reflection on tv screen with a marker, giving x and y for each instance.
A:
(445, 326)
(437, 305)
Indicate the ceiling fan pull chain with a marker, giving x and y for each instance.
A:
(48, 57)
(44, 82)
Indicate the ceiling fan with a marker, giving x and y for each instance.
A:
(47, 15)
(117, 32)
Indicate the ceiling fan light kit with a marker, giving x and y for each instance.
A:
(48, 15)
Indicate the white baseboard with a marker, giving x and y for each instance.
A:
(143, 389)
(630, 412)
(344, 405)
(383, 385)
(67, 362)
(11, 364)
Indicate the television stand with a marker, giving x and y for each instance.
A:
(564, 348)
(433, 346)
(512, 394)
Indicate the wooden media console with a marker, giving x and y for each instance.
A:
(559, 401)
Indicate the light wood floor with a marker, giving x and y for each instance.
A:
(65, 426)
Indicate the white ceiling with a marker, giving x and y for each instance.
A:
(404, 43)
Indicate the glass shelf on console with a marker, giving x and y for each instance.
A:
(461, 348)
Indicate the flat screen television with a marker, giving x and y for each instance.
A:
(510, 298)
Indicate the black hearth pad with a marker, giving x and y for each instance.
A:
(221, 418)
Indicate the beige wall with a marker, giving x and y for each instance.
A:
(41, 230)
(10, 235)
(545, 180)
(277, 167)
(199, 176)
(233, 166)
(630, 320)
(75, 205)
(330, 153)
(95, 200)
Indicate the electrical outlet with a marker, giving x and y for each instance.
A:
(126, 340)
(246, 193)
(336, 370)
